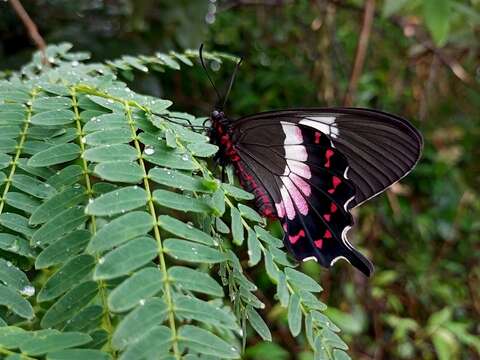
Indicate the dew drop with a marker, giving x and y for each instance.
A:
(75, 63)
(149, 151)
(28, 290)
(83, 140)
(101, 260)
(142, 302)
(9, 264)
(185, 157)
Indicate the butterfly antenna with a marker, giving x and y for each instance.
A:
(232, 80)
(200, 52)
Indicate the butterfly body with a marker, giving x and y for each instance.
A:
(309, 167)
(221, 134)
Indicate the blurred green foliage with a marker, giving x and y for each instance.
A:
(422, 62)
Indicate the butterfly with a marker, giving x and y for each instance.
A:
(309, 168)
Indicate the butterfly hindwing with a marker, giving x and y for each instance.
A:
(305, 179)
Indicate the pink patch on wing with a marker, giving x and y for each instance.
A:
(302, 184)
(317, 137)
(288, 204)
(299, 168)
(327, 217)
(280, 209)
(318, 243)
(296, 152)
(293, 134)
(294, 238)
(296, 196)
(327, 235)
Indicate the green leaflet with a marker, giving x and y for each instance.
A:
(203, 311)
(179, 180)
(16, 244)
(138, 322)
(69, 304)
(302, 281)
(185, 231)
(14, 278)
(51, 103)
(237, 227)
(126, 258)
(181, 202)
(194, 280)
(120, 171)
(15, 302)
(258, 324)
(156, 342)
(33, 186)
(118, 201)
(16, 223)
(53, 118)
(22, 201)
(294, 315)
(254, 249)
(44, 341)
(66, 221)
(205, 342)
(62, 249)
(70, 274)
(57, 203)
(109, 137)
(120, 230)
(142, 285)
(66, 177)
(78, 354)
(116, 152)
(86, 319)
(55, 155)
(237, 193)
(192, 252)
(106, 122)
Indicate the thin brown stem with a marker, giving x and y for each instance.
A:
(361, 53)
(31, 28)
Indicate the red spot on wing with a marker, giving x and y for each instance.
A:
(328, 154)
(294, 238)
(318, 243)
(333, 208)
(327, 217)
(336, 181)
(317, 137)
(327, 235)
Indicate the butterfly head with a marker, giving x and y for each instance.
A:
(217, 115)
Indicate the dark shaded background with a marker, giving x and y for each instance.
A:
(422, 62)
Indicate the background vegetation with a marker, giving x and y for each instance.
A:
(416, 58)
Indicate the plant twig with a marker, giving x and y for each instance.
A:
(31, 28)
(368, 16)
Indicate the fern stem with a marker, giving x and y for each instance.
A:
(107, 323)
(18, 152)
(161, 255)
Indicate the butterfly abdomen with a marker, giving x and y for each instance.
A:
(249, 182)
(221, 136)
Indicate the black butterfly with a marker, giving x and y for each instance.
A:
(310, 167)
